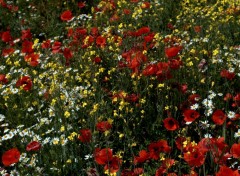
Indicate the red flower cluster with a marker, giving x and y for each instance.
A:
(163, 69)
(32, 59)
(105, 157)
(8, 6)
(227, 74)
(224, 170)
(166, 164)
(194, 156)
(155, 148)
(131, 98)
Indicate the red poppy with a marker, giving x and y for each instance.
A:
(12, 8)
(66, 15)
(237, 97)
(25, 82)
(80, 32)
(206, 144)
(236, 100)
(194, 157)
(163, 71)
(167, 163)
(113, 165)
(101, 41)
(32, 59)
(81, 4)
(179, 142)
(3, 79)
(103, 156)
(224, 170)
(103, 126)
(190, 115)
(88, 40)
(94, 31)
(197, 29)
(68, 55)
(138, 171)
(142, 31)
(227, 74)
(171, 124)
(46, 44)
(219, 149)
(194, 98)
(173, 51)
(192, 173)
(155, 148)
(86, 135)
(150, 70)
(235, 150)
(221, 157)
(7, 51)
(149, 38)
(127, 172)
(134, 64)
(97, 60)
(182, 88)
(170, 26)
(126, 11)
(70, 32)
(33, 146)
(113, 18)
(26, 34)
(175, 63)
(132, 98)
(160, 171)
(219, 117)
(56, 47)
(3, 4)
(10, 157)
(6, 36)
(220, 144)
(143, 156)
(145, 5)
(27, 47)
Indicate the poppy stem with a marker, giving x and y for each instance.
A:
(204, 170)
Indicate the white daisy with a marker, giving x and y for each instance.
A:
(231, 114)
(237, 134)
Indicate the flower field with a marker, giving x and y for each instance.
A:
(120, 88)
